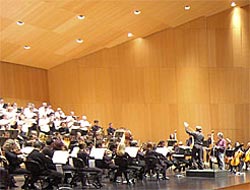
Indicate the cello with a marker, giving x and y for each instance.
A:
(246, 158)
(237, 156)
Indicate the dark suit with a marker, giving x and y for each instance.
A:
(39, 157)
(197, 151)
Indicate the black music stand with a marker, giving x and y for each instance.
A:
(119, 134)
(229, 153)
(205, 143)
(13, 133)
(171, 142)
(1, 132)
(2, 141)
(74, 131)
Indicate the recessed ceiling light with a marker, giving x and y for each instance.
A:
(79, 40)
(233, 4)
(130, 35)
(20, 23)
(187, 7)
(137, 12)
(26, 47)
(80, 17)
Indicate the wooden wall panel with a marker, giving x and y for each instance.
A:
(192, 85)
(23, 84)
(197, 72)
(229, 85)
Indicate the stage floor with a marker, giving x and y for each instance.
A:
(175, 182)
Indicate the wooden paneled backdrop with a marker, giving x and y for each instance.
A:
(198, 72)
(23, 84)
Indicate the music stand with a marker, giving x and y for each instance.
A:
(132, 151)
(97, 153)
(74, 152)
(119, 134)
(74, 131)
(60, 157)
(229, 153)
(171, 142)
(205, 143)
(162, 150)
(2, 141)
(1, 132)
(76, 124)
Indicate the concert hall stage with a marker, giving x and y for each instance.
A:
(230, 181)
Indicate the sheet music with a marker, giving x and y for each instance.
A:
(60, 157)
(132, 151)
(27, 150)
(74, 152)
(97, 153)
(162, 150)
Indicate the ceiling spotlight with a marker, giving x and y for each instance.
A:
(187, 7)
(137, 12)
(79, 40)
(26, 47)
(130, 35)
(20, 23)
(233, 4)
(80, 17)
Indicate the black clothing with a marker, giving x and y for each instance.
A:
(14, 161)
(48, 151)
(197, 151)
(110, 131)
(44, 164)
(161, 163)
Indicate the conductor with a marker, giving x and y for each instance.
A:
(197, 151)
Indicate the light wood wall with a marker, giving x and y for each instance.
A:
(22, 84)
(198, 72)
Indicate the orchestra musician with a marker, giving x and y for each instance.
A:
(39, 157)
(110, 130)
(210, 141)
(12, 153)
(247, 156)
(84, 154)
(162, 161)
(96, 128)
(197, 151)
(236, 162)
(220, 150)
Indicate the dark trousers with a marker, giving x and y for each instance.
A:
(197, 156)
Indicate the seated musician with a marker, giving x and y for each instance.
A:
(161, 160)
(122, 160)
(36, 155)
(95, 128)
(180, 162)
(84, 125)
(14, 157)
(84, 155)
(110, 130)
(237, 161)
(48, 150)
(63, 129)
